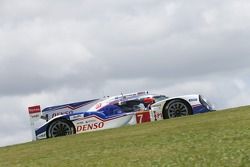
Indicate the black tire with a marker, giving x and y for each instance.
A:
(60, 127)
(176, 108)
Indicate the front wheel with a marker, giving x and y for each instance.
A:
(176, 108)
(60, 128)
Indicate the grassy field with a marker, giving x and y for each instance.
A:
(216, 139)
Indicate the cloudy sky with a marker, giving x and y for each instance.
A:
(60, 51)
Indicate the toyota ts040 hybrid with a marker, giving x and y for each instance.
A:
(112, 112)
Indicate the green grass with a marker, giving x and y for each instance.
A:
(215, 139)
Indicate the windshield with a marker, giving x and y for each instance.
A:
(131, 106)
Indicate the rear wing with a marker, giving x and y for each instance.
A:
(35, 115)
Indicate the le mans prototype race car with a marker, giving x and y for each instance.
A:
(113, 112)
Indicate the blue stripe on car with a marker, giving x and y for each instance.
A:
(72, 106)
(199, 109)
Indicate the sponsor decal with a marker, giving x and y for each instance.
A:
(157, 115)
(76, 116)
(87, 127)
(90, 120)
(34, 113)
(61, 113)
(191, 100)
(80, 123)
(34, 116)
(34, 109)
(85, 121)
(142, 117)
(99, 105)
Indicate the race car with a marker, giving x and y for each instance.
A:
(113, 112)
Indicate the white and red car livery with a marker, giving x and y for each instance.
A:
(112, 112)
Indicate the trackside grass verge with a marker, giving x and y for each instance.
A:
(215, 139)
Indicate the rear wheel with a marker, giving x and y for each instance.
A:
(60, 127)
(176, 108)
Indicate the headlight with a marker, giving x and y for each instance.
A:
(205, 103)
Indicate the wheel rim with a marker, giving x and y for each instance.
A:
(60, 128)
(177, 109)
